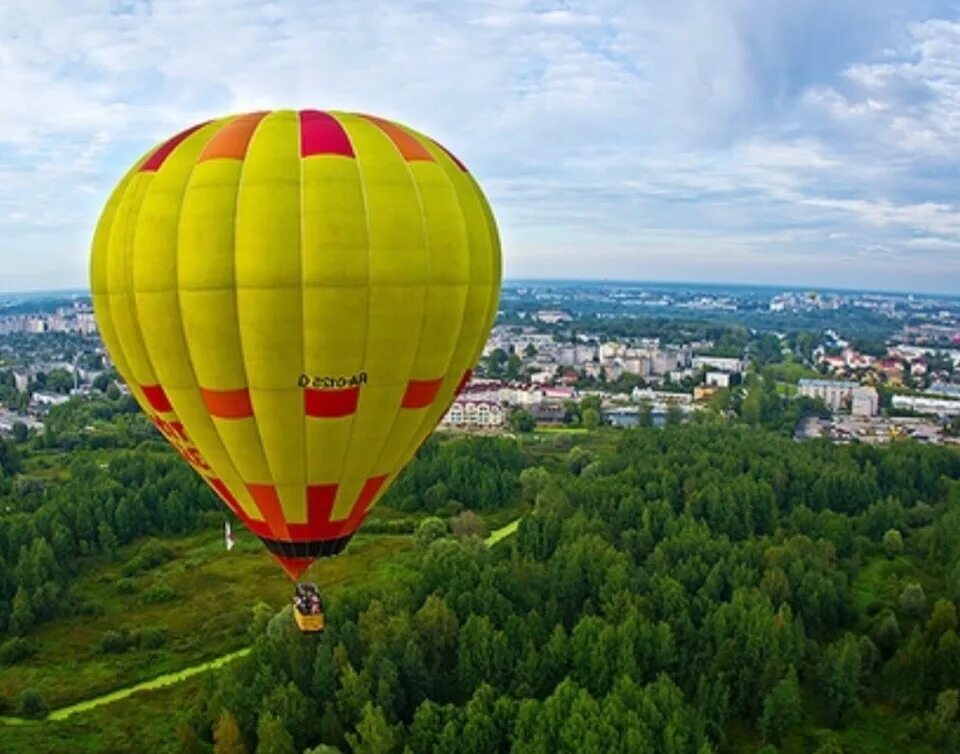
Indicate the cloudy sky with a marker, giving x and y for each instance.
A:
(812, 142)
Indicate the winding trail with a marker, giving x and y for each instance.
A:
(169, 679)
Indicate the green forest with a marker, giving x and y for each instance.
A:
(707, 587)
(704, 588)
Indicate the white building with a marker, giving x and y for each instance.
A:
(719, 379)
(637, 365)
(552, 316)
(21, 380)
(49, 399)
(922, 405)
(468, 413)
(718, 363)
(571, 356)
(657, 397)
(865, 402)
(9, 418)
(836, 394)
(611, 350)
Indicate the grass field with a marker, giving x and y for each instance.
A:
(211, 594)
(139, 724)
(503, 532)
(873, 729)
(69, 668)
(880, 581)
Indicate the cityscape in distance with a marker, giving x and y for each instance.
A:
(856, 365)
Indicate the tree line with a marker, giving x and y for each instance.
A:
(48, 529)
(697, 579)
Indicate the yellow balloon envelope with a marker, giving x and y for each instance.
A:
(295, 298)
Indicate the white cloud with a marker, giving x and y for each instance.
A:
(628, 126)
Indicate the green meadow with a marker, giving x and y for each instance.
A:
(194, 607)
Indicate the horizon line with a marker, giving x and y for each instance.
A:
(607, 281)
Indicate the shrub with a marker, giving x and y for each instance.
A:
(430, 528)
(151, 638)
(892, 543)
(468, 524)
(913, 600)
(152, 554)
(15, 650)
(158, 593)
(113, 641)
(125, 586)
(33, 705)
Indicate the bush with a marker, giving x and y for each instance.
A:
(33, 705)
(151, 638)
(113, 641)
(450, 508)
(157, 594)
(892, 543)
(430, 528)
(400, 526)
(913, 601)
(468, 524)
(126, 586)
(15, 650)
(152, 554)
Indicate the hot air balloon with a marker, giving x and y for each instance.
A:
(295, 299)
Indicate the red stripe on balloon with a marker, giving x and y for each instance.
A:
(267, 500)
(154, 161)
(321, 133)
(367, 495)
(157, 398)
(260, 528)
(420, 393)
(330, 404)
(320, 499)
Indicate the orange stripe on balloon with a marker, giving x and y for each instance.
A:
(259, 528)
(156, 160)
(231, 141)
(409, 147)
(157, 398)
(228, 404)
(420, 393)
(367, 495)
(267, 500)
